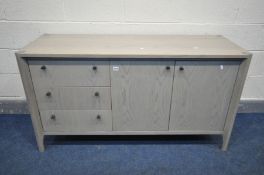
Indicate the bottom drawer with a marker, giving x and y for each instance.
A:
(76, 120)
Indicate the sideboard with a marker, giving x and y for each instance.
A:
(133, 84)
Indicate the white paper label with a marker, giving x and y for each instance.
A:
(221, 67)
(115, 68)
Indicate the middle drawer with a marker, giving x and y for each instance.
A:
(74, 98)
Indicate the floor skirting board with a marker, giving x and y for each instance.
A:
(20, 106)
(13, 107)
(251, 106)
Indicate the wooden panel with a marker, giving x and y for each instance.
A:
(140, 46)
(73, 98)
(234, 102)
(32, 102)
(201, 94)
(142, 91)
(70, 73)
(137, 133)
(141, 94)
(76, 120)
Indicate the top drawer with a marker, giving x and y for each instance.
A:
(69, 73)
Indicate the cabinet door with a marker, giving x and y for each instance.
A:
(201, 94)
(141, 95)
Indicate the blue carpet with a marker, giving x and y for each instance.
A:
(192, 155)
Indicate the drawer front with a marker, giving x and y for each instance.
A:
(76, 120)
(74, 98)
(201, 94)
(69, 73)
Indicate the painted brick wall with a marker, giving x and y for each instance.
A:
(22, 21)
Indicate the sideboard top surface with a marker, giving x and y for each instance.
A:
(133, 46)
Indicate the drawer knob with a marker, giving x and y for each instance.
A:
(94, 68)
(181, 68)
(53, 117)
(96, 94)
(167, 67)
(98, 117)
(43, 67)
(48, 94)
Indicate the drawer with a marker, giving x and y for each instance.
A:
(76, 120)
(69, 73)
(74, 98)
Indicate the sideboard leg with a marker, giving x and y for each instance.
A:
(225, 142)
(40, 143)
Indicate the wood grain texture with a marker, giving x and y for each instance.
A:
(201, 95)
(133, 46)
(202, 99)
(76, 120)
(74, 98)
(69, 73)
(234, 102)
(141, 93)
(32, 102)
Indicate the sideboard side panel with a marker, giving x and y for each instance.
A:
(31, 100)
(234, 102)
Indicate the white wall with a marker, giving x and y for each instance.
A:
(22, 21)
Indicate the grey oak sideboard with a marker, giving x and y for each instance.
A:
(133, 84)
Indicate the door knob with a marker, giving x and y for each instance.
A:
(94, 68)
(48, 94)
(181, 68)
(53, 117)
(98, 117)
(43, 67)
(167, 67)
(96, 94)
